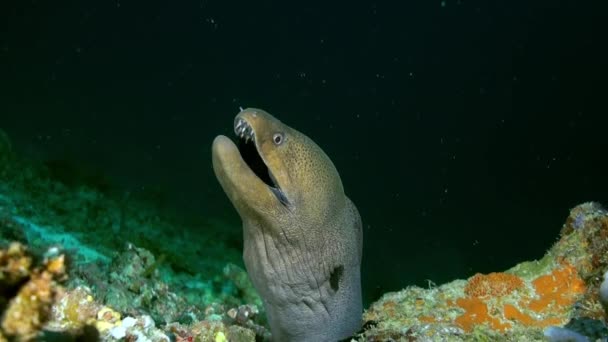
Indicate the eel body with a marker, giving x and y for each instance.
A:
(302, 235)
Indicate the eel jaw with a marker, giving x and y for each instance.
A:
(244, 188)
(250, 152)
(243, 129)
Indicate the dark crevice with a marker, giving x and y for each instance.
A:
(251, 156)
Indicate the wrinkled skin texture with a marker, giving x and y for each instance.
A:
(302, 250)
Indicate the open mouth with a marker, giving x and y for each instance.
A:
(247, 147)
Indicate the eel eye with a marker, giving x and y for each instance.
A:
(278, 138)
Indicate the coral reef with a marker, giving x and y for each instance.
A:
(134, 273)
(34, 305)
(533, 301)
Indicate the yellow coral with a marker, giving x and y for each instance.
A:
(107, 318)
(220, 337)
(104, 326)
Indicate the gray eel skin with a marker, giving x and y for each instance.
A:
(302, 235)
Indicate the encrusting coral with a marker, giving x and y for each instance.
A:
(527, 302)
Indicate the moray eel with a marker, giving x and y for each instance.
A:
(302, 235)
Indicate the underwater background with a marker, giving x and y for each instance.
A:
(464, 131)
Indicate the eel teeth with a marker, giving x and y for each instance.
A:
(243, 130)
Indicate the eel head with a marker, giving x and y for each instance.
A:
(273, 170)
